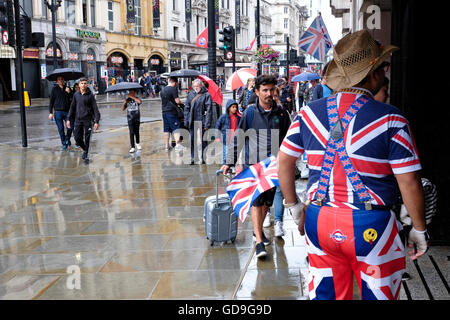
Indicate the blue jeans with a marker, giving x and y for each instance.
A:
(278, 207)
(60, 118)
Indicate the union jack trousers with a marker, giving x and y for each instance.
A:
(345, 242)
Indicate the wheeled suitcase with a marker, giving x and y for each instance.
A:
(220, 220)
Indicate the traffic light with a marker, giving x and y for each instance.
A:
(293, 56)
(25, 31)
(301, 61)
(7, 20)
(228, 42)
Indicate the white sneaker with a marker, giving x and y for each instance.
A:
(278, 229)
(138, 146)
(267, 220)
(132, 150)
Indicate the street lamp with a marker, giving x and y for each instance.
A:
(53, 7)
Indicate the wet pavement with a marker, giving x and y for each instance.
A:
(132, 225)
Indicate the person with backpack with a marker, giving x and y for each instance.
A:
(132, 104)
(263, 119)
(227, 125)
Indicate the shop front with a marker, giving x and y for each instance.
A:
(156, 64)
(118, 69)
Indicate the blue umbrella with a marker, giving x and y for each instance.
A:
(306, 76)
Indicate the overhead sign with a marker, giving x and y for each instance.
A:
(88, 34)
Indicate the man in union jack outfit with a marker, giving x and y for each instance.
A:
(361, 154)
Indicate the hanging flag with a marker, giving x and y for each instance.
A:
(130, 11)
(202, 39)
(156, 14)
(250, 46)
(250, 183)
(316, 41)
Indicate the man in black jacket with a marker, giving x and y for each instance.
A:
(85, 111)
(59, 108)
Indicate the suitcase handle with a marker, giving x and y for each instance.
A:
(218, 173)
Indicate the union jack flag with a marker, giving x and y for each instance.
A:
(250, 183)
(250, 46)
(316, 41)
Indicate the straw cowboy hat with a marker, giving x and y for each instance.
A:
(354, 57)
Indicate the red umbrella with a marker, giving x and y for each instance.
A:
(239, 78)
(213, 89)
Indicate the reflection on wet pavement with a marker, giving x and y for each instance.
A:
(133, 224)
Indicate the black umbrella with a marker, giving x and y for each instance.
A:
(124, 86)
(67, 73)
(185, 73)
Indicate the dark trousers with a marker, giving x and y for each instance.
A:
(133, 126)
(194, 146)
(60, 120)
(82, 134)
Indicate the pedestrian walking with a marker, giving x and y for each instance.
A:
(171, 120)
(349, 227)
(246, 93)
(132, 104)
(321, 90)
(264, 117)
(59, 108)
(198, 108)
(287, 96)
(227, 125)
(85, 112)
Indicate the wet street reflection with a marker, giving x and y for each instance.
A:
(132, 224)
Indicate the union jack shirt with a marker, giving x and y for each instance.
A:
(378, 141)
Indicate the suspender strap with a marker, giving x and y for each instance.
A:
(336, 145)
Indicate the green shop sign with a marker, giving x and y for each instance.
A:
(88, 34)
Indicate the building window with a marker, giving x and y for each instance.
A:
(138, 19)
(174, 5)
(246, 7)
(84, 10)
(44, 10)
(27, 6)
(70, 11)
(93, 13)
(110, 16)
(286, 10)
(228, 4)
(175, 33)
(223, 4)
(286, 23)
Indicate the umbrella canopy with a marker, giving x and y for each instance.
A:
(67, 73)
(213, 89)
(124, 86)
(306, 76)
(239, 78)
(185, 73)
